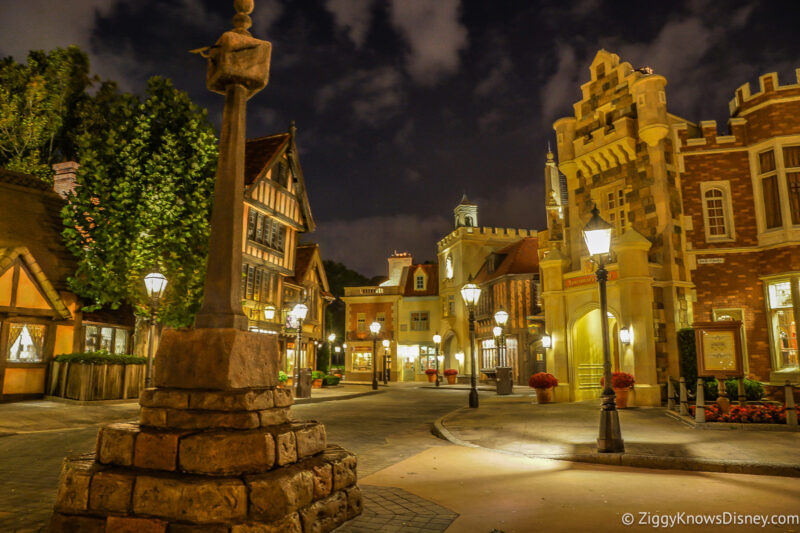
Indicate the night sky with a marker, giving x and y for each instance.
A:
(403, 105)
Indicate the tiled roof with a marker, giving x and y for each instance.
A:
(260, 153)
(432, 285)
(522, 257)
(304, 254)
(24, 180)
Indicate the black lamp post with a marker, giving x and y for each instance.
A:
(155, 283)
(597, 234)
(437, 340)
(471, 293)
(375, 328)
(300, 311)
(501, 318)
(386, 361)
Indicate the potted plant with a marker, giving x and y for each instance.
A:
(543, 384)
(450, 374)
(622, 383)
(283, 377)
(316, 379)
(432, 373)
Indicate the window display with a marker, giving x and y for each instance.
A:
(25, 343)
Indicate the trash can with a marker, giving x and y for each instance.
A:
(303, 388)
(505, 380)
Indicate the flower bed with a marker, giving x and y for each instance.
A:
(89, 376)
(747, 414)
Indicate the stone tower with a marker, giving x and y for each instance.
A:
(466, 213)
(215, 448)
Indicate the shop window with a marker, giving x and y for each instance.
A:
(362, 361)
(427, 358)
(25, 343)
(419, 321)
(488, 353)
(105, 338)
(782, 325)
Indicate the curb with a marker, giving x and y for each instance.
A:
(639, 461)
(70, 401)
(301, 401)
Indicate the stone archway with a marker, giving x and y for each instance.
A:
(587, 353)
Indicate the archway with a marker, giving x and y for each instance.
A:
(587, 353)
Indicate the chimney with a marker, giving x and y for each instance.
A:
(64, 181)
(397, 262)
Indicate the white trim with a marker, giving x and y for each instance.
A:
(724, 186)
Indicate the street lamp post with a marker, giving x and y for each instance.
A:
(299, 312)
(471, 293)
(331, 340)
(437, 340)
(155, 283)
(497, 331)
(597, 234)
(501, 318)
(375, 328)
(386, 361)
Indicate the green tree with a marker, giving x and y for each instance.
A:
(339, 277)
(146, 183)
(39, 102)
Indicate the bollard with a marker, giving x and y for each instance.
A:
(684, 407)
(791, 410)
(742, 395)
(670, 395)
(700, 406)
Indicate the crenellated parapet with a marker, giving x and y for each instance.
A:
(484, 231)
(707, 135)
(744, 101)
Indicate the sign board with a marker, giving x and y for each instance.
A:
(587, 280)
(710, 260)
(719, 349)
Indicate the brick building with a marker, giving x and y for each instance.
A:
(706, 227)
(741, 195)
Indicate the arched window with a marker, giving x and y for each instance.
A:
(715, 212)
(468, 221)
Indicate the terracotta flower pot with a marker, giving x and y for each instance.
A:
(451, 380)
(544, 395)
(316, 384)
(431, 378)
(621, 398)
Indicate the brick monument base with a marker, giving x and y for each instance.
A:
(210, 458)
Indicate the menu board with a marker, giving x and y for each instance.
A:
(719, 348)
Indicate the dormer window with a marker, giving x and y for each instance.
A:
(419, 283)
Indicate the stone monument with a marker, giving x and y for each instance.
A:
(216, 448)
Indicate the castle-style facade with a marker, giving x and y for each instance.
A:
(704, 229)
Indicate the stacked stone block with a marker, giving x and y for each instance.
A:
(232, 461)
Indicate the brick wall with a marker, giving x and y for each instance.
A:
(370, 310)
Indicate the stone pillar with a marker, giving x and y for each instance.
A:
(791, 410)
(684, 407)
(555, 319)
(65, 178)
(636, 309)
(215, 448)
(700, 404)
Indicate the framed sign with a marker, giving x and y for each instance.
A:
(719, 348)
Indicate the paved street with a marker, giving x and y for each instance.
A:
(415, 482)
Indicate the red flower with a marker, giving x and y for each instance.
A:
(542, 380)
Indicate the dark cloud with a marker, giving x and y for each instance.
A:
(401, 105)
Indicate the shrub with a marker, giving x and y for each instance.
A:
(542, 380)
(753, 390)
(100, 358)
(431, 371)
(283, 377)
(450, 372)
(688, 356)
(329, 381)
(619, 380)
(316, 374)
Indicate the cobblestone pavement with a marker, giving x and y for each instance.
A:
(381, 429)
(392, 509)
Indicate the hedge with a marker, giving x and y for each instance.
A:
(100, 358)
